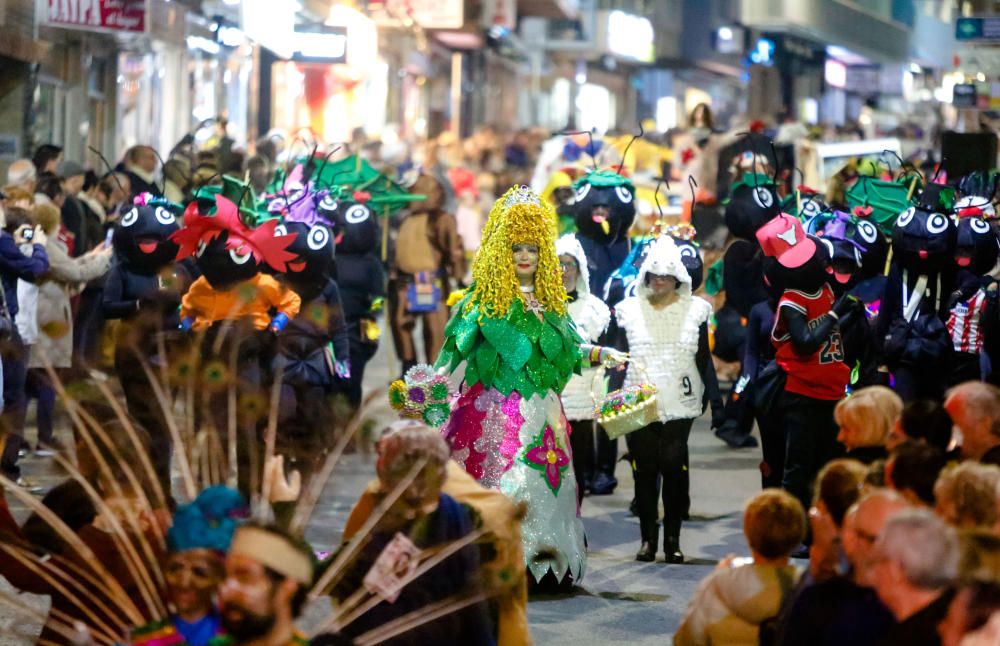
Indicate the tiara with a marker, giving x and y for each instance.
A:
(521, 195)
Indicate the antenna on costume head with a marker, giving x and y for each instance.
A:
(326, 160)
(590, 148)
(111, 170)
(774, 153)
(631, 141)
(208, 179)
(163, 165)
(692, 184)
(656, 194)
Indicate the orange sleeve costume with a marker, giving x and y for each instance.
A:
(250, 299)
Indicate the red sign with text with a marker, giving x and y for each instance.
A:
(97, 15)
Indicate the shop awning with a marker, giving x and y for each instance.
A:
(560, 9)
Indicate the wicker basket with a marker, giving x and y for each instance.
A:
(631, 417)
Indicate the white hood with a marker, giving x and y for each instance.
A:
(664, 259)
(568, 245)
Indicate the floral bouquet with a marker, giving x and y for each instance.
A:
(422, 394)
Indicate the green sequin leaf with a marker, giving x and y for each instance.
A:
(496, 331)
(550, 342)
(471, 373)
(465, 340)
(486, 362)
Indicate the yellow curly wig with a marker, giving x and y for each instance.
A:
(516, 218)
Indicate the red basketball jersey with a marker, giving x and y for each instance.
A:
(822, 374)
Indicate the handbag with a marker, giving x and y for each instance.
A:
(768, 386)
(423, 294)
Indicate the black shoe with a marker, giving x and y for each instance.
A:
(646, 553)
(633, 507)
(603, 485)
(734, 439)
(672, 551)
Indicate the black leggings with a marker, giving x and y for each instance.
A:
(660, 453)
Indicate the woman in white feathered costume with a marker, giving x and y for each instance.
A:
(591, 317)
(665, 329)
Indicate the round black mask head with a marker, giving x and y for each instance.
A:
(875, 247)
(809, 278)
(976, 247)
(691, 258)
(753, 201)
(923, 241)
(142, 236)
(313, 248)
(845, 263)
(224, 268)
(605, 206)
(356, 229)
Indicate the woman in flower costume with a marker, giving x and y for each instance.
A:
(519, 348)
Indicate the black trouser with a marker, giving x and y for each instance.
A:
(361, 353)
(15, 371)
(772, 448)
(581, 439)
(810, 441)
(660, 454)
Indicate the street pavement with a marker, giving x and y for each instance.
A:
(619, 600)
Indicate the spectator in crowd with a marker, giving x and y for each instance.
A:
(733, 601)
(14, 266)
(865, 420)
(970, 610)
(430, 519)
(844, 609)
(49, 190)
(965, 495)
(54, 317)
(915, 563)
(838, 486)
(268, 576)
(22, 174)
(100, 198)
(176, 181)
(922, 419)
(46, 158)
(139, 165)
(912, 470)
(18, 198)
(980, 555)
(974, 407)
(74, 177)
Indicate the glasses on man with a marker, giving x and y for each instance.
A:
(566, 266)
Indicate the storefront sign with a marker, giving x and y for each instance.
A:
(96, 15)
(964, 96)
(985, 28)
(429, 14)
(326, 44)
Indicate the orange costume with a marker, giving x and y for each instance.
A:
(253, 299)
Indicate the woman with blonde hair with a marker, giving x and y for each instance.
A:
(54, 316)
(865, 419)
(513, 334)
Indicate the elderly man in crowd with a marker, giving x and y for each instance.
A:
(974, 407)
(845, 609)
(22, 174)
(914, 565)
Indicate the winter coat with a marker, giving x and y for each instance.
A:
(730, 605)
(54, 313)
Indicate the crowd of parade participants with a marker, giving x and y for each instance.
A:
(205, 339)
